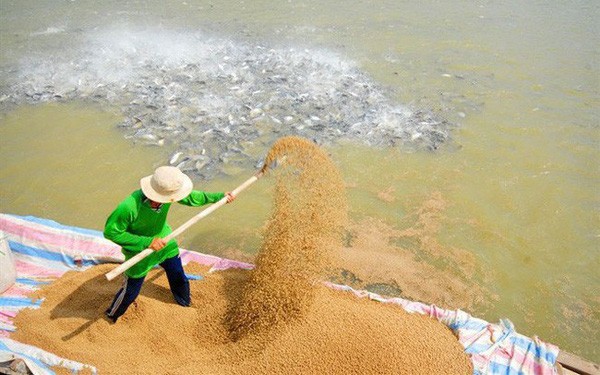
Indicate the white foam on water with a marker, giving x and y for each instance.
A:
(49, 31)
(179, 85)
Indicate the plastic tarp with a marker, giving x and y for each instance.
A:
(8, 273)
(44, 250)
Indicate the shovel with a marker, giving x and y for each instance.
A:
(138, 257)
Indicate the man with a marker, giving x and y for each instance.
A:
(140, 222)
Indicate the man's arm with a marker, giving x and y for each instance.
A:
(200, 198)
(116, 227)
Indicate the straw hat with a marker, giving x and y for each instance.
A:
(166, 185)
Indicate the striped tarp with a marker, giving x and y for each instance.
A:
(44, 250)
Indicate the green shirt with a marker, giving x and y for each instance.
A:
(134, 224)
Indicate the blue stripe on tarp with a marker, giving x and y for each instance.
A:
(194, 277)
(18, 247)
(88, 262)
(526, 344)
(19, 302)
(497, 368)
(471, 325)
(41, 364)
(54, 224)
(31, 281)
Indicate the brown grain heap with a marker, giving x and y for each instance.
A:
(308, 215)
(339, 333)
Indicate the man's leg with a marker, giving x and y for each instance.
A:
(180, 286)
(125, 296)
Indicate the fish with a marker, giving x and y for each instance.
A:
(175, 157)
(255, 112)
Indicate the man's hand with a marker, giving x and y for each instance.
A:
(230, 197)
(157, 244)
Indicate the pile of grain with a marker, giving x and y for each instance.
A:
(308, 215)
(276, 319)
(339, 334)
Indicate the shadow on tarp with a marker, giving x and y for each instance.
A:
(91, 299)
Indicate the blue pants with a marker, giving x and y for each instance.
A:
(178, 282)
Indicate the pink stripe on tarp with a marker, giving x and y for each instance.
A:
(8, 313)
(15, 291)
(204, 259)
(11, 288)
(224, 264)
(217, 263)
(26, 269)
(66, 240)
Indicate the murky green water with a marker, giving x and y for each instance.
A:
(520, 181)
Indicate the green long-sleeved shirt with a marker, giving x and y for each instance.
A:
(133, 225)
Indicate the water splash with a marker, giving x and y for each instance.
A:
(215, 99)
